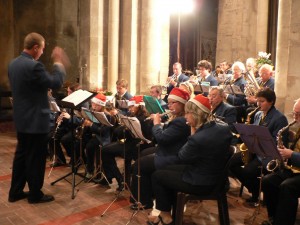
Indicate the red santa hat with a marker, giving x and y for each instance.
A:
(99, 99)
(202, 102)
(136, 100)
(179, 95)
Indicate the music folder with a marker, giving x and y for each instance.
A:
(134, 125)
(152, 105)
(95, 117)
(258, 139)
(232, 89)
(202, 87)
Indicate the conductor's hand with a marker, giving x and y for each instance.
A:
(285, 152)
(59, 56)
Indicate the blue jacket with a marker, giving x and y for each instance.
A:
(169, 140)
(29, 82)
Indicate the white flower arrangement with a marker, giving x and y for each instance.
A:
(263, 58)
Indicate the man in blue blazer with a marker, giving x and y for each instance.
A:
(281, 189)
(174, 80)
(29, 83)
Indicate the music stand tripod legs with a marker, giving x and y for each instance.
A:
(74, 169)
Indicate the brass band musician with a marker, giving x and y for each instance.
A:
(269, 117)
(282, 188)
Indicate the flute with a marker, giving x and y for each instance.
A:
(161, 115)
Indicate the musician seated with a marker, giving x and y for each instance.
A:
(188, 87)
(226, 67)
(269, 117)
(95, 134)
(236, 99)
(63, 133)
(282, 188)
(127, 146)
(265, 79)
(199, 163)
(156, 92)
(122, 94)
(221, 109)
(175, 79)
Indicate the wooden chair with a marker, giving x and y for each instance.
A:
(219, 194)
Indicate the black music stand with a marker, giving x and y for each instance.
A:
(260, 142)
(134, 126)
(73, 101)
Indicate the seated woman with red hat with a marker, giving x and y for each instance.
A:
(199, 163)
(169, 137)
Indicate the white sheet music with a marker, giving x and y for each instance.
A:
(134, 125)
(54, 107)
(78, 97)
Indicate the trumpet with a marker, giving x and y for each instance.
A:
(160, 115)
(167, 84)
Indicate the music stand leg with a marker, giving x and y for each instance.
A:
(74, 170)
(256, 212)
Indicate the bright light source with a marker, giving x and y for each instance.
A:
(177, 6)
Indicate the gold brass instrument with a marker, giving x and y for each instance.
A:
(276, 163)
(246, 155)
(252, 86)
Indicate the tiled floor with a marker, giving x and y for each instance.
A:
(91, 200)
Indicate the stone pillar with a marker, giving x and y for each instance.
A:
(154, 55)
(242, 29)
(287, 76)
(128, 43)
(113, 43)
(7, 48)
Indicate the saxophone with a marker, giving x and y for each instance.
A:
(274, 164)
(246, 155)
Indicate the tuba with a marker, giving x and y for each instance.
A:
(252, 86)
(276, 163)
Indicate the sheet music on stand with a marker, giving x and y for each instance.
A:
(54, 107)
(78, 97)
(95, 117)
(258, 139)
(232, 89)
(134, 125)
(202, 87)
(123, 104)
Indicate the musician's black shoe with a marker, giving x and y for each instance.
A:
(18, 197)
(45, 198)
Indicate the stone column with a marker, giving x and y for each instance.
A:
(154, 55)
(242, 29)
(287, 76)
(113, 43)
(7, 48)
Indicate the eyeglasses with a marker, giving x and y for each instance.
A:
(296, 113)
(171, 103)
